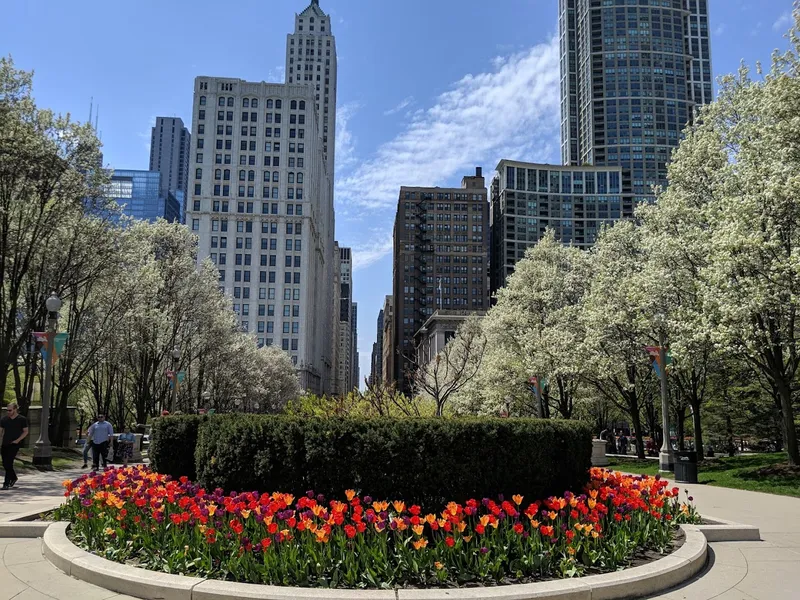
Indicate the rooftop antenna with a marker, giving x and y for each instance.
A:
(91, 103)
(96, 120)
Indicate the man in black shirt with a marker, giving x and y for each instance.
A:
(15, 428)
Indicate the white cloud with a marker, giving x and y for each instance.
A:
(403, 104)
(365, 254)
(719, 29)
(147, 135)
(345, 145)
(784, 22)
(276, 75)
(514, 107)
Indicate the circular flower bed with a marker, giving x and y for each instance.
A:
(134, 515)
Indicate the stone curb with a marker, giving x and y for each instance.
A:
(24, 529)
(31, 515)
(678, 567)
(721, 530)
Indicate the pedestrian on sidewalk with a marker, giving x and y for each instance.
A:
(127, 440)
(100, 433)
(87, 446)
(15, 428)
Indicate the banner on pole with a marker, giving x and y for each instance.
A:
(655, 357)
(40, 340)
(58, 346)
(176, 378)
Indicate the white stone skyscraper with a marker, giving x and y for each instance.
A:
(311, 60)
(261, 204)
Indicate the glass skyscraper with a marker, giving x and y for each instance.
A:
(137, 192)
(632, 74)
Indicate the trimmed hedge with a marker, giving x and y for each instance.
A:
(172, 444)
(429, 461)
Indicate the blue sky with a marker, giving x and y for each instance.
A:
(427, 89)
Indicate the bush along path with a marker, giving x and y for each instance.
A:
(424, 461)
(135, 515)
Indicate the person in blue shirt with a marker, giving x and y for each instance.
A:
(127, 440)
(100, 433)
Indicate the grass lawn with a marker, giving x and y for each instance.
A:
(767, 472)
(63, 458)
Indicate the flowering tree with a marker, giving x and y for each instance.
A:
(534, 330)
(751, 280)
(453, 367)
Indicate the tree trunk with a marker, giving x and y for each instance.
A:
(790, 434)
(698, 431)
(637, 429)
(680, 421)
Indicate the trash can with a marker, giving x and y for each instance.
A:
(686, 467)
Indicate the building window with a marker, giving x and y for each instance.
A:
(195, 224)
(202, 100)
(197, 189)
(201, 114)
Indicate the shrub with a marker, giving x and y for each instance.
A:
(428, 461)
(173, 441)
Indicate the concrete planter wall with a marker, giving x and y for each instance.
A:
(672, 570)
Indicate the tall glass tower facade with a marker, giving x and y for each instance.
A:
(632, 74)
(138, 193)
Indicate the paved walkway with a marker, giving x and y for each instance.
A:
(25, 574)
(765, 570)
(35, 490)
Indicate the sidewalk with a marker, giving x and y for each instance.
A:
(766, 570)
(25, 574)
(35, 490)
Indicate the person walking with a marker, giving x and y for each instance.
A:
(100, 433)
(15, 428)
(127, 440)
(87, 446)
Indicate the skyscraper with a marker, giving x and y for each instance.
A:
(261, 202)
(376, 373)
(356, 378)
(137, 192)
(441, 251)
(344, 356)
(170, 144)
(528, 198)
(632, 75)
(311, 60)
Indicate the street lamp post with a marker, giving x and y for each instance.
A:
(256, 406)
(666, 458)
(238, 403)
(206, 397)
(176, 355)
(43, 450)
